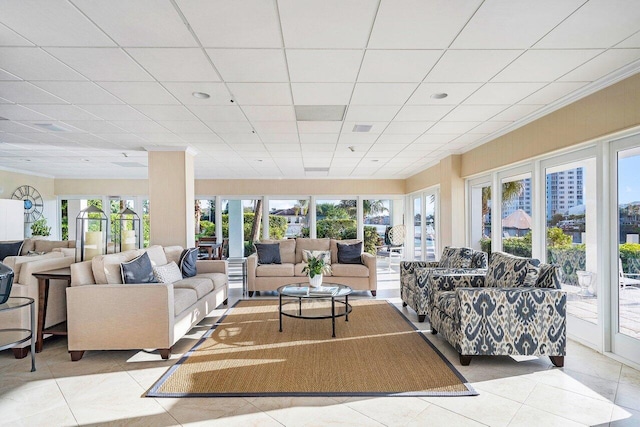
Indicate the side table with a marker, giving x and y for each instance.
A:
(243, 263)
(11, 337)
(44, 278)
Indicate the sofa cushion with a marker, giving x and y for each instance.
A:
(333, 247)
(10, 249)
(156, 255)
(506, 270)
(310, 245)
(446, 303)
(456, 257)
(349, 270)
(173, 253)
(201, 285)
(65, 251)
(218, 279)
(168, 273)
(48, 245)
(29, 245)
(138, 270)
(268, 253)
(183, 298)
(274, 270)
(350, 253)
(106, 268)
(187, 262)
(287, 249)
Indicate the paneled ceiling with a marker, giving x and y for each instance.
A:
(87, 86)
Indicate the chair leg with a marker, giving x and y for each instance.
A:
(20, 353)
(165, 353)
(404, 304)
(373, 293)
(421, 317)
(225, 302)
(250, 294)
(557, 361)
(433, 331)
(76, 355)
(465, 360)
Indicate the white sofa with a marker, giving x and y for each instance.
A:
(105, 314)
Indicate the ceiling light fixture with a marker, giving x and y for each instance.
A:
(439, 95)
(201, 95)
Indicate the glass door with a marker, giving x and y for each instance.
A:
(479, 193)
(625, 262)
(418, 229)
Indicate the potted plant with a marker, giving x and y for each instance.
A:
(315, 268)
(39, 228)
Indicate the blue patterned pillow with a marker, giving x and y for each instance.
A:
(550, 277)
(507, 271)
(456, 258)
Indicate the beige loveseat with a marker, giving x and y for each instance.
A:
(105, 314)
(37, 246)
(268, 277)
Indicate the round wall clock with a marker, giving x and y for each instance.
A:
(32, 202)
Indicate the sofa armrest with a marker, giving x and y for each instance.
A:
(212, 266)
(525, 321)
(371, 262)
(120, 316)
(252, 265)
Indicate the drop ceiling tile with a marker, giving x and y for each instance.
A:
(420, 24)
(32, 63)
(436, 139)
(162, 138)
(275, 127)
(105, 64)
(396, 139)
(208, 138)
(94, 126)
(114, 112)
(602, 65)
(140, 126)
(321, 93)
(218, 93)
(282, 148)
(489, 127)
(473, 113)
(456, 93)
(544, 65)
(371, 113)
(552, 92)
(326, 24)
(382, 93)
(399, 127)
(79, 92)
(319, 127)
(516, 112)
(139, 92)
(471, 65)
(280, 138)
(175, 64)
(376, 127)
(452, 127)
(269, 113)
(166, 112)
(250, 65)
(52, 23)
(230, 127)
(515, 24)
(185, 126)
(8, 37)
(261, 93)
(597, 24)
(26, 93)
(220, 23)
(468, 139)
(234, 139)
(318, 148)
(210, 113)
(145, 23)
(4, 75)
(357, 138)
(123, 138)
(319, 138)
(423, 113)
(18, 112)
(63, 112)
(397, 65)
(310, 65)
(633, 41)
(85, 138)
(502, 93)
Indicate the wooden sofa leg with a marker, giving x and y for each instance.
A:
(433, 331)
(557, 361)
(421, 317)
(404, 304)
(225, 302)
(76, 355)
(373, 293)
(165, 353)
(250, 294)
(20, 353)
(465, 360)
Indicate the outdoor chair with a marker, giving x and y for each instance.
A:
(627, 279)
(393, 249)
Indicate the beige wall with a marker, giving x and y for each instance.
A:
(451, 202)
(425, 179)
(99, 187)
(302, 187)
(9, 181)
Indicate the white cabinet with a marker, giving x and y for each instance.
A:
(11, 219)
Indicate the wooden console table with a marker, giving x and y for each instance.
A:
(44, 278)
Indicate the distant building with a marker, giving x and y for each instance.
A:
(523, 201)
(565, 190)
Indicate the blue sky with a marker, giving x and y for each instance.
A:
(629, 179)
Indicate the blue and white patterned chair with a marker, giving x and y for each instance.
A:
(413, 290)
(516, 308)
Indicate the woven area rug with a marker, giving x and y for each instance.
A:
(378, 352)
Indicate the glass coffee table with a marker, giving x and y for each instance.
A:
(298, 292)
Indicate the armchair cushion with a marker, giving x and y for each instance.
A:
(456, 257)
(506, 270)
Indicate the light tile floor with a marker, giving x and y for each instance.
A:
(106, 388)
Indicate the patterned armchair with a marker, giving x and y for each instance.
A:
(413, 286)
(516, 308)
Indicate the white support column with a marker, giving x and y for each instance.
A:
(398, 214)
(236, 229)
(265, 217)
(360, 218)
(74, 206)
(218, 219)
(312, 217)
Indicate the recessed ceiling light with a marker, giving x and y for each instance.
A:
(439, 95)
(200, 95)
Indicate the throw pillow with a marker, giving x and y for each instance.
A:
(507, 271)
(326, 255)
(456, 257)
(188, 260)
(10, 249)
(138, 270)
(268, 253)
(167, 273)
(350, 254)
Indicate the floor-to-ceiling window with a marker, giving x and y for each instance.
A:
(517, 221)
(480, 214)
(288, 218)
(425, 225)
(337, 219)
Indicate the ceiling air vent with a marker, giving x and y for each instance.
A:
(316, 171)
(320, 113)
(362, 128)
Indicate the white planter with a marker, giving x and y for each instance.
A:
(316, 282)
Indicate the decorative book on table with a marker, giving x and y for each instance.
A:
(323, 291)
(302, 291)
